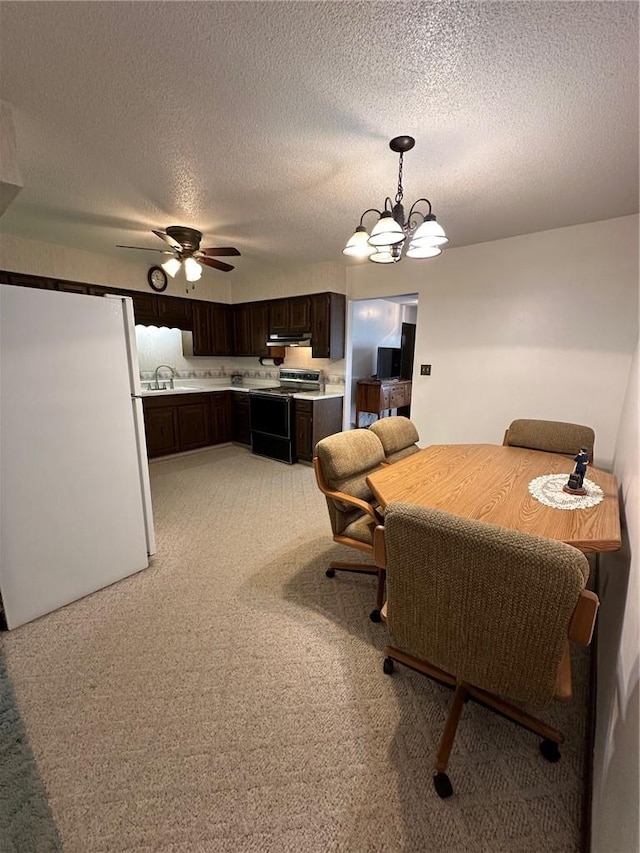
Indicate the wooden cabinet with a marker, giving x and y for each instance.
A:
(300, 314)
(145, 308)
(177, 422)
(279, 316)
(201, 328)
(378, 396)
(242, 329)
(221, 318)
(72, 287)
(174, 312)
(212, 328)
(161, 427)
(22, 280)
(240, 417)
(327, 325)
(259, 327)
(314, 420)
(194, 423)
(290, 315)
(220, 417)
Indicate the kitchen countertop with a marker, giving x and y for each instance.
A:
(209, 389)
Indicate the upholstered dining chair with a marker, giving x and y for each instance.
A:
(398, 436)
(341, 464)
(552, 436)
(485, 610)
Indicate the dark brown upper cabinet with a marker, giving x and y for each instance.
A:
(22, 280)
(221, 319)
(299, 314)
(259, 323)
(174, 312)
(290, 315)
(327, 325)
(242, 329)
(212, 328)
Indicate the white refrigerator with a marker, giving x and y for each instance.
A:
(75, 502)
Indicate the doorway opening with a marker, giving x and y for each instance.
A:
(380, 340)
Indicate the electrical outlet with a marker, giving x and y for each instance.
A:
(425, 370)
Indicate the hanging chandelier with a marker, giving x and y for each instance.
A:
(388, 236)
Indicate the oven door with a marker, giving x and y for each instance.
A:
(271, 426)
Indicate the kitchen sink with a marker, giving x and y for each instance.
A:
(177, 390)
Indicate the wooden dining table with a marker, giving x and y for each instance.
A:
(490, 483)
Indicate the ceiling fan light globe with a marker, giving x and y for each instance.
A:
(192, 269)
(358, 245)
(386, 232)
(171, 267)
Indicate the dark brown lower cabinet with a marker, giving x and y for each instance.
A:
(241, 429)
(316, 419)
(177, 422)
(220, 417)
(161, 427)
(194, 425)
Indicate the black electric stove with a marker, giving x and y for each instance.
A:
(272, 413)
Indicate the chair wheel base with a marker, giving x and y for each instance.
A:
(549, 750)
(387, 666)
(330, 573)
(442, 784)
(375, 616)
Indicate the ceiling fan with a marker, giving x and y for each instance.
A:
(185, 245)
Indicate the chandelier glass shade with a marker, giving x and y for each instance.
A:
(419, 233)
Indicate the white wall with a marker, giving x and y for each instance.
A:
(616, 796)
(312, 278)
(541, 326)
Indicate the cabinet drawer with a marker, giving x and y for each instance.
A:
(304, 406)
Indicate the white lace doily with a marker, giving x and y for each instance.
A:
(548, 490)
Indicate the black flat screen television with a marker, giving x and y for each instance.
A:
(389, 363)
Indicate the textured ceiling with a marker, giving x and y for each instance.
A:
(266, 125)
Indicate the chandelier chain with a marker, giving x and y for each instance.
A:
(399, 194)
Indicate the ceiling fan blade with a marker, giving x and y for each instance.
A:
(217, 265)
(221, 251)
(145, 249)
(163, 236)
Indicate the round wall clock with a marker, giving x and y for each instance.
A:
(157, 279)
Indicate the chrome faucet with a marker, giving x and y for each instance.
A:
(168, 367)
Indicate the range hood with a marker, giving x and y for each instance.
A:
(300, 339)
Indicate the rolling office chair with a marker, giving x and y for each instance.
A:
(341, 463)
(552, 436)
(398, 436)
(485, 610)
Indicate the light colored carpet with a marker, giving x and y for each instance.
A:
(231, 698)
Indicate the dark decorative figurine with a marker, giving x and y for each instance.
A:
(576, 479)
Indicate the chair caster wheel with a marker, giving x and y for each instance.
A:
(375, 616)
(442, 784)
(330, 573)
(387, 666)
(549, 750)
